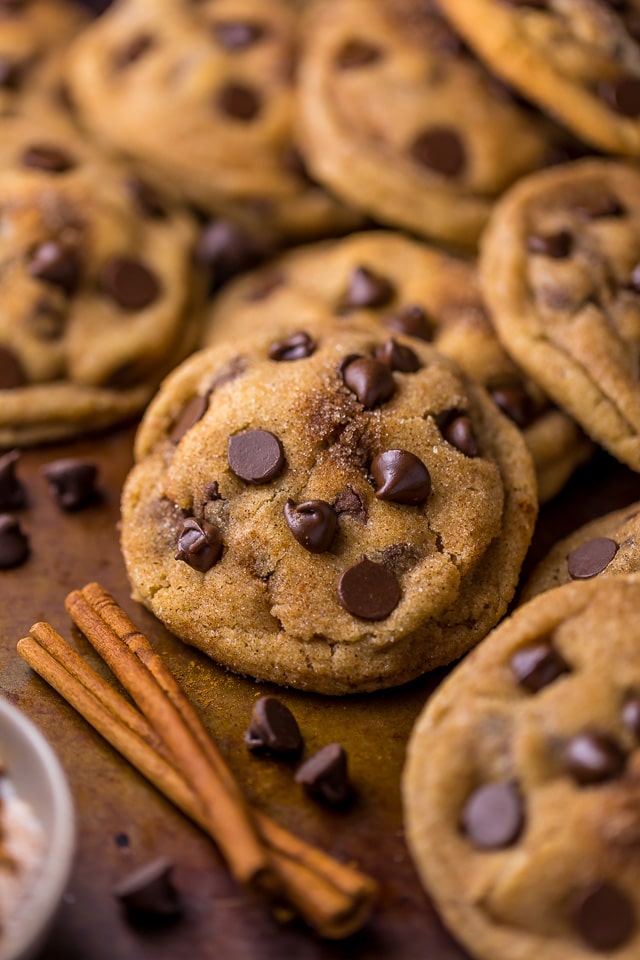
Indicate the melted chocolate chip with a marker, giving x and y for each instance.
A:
(132, 51)
(605, 917)
(591, 558)
(149, 891)
(515, 403)
(129, 283)
(72, 482)
(273, 728)
(369, 591)
(199, 544)
(593, 757)
(622, 94)
(191, 414)
(367, 289)
(440, 149)
(630, 714)
(412, 321)
(537, 665)
(493, 816)
(397, 356)
(313, 523)
(558, 246)
(226, 249)
(56, 263)
(12, 492)
(50, 159)
(298, 346)
(256, 456)
(357, 53)
(12, 374)
(401, 477)
(457, 429)
(238, 34)
(239, 101)
(325, 775)
(371, 381)
(146, 198)
(351, 503)
(14, 542)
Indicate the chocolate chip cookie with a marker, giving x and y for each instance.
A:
(99, 298)
(386, 281)
(521, 785)
(338, 516)
(205, 95)
(577, 59)
(398, 118)
(560, 274)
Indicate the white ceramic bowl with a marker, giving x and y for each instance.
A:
(38, 778)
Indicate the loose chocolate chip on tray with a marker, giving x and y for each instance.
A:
(325, 775)
(397, 356)
(357, 53)
(256, 456)
(12, 374)
(48, 158)
(56, 263)
(493, 816)
(631, 714)
(273, 728)
(412, 321)
(149, 890)
(440, 149)
(368, 590)
(401, 477)
(199, 544)
(298, 346)
(313, 523)
(605, 918)
(555, 245)
(537, 665)
(367, 289)
(591, 558)
(73, 482)
(14, 542)
(457, 429)
(190, 415)
(371, 381)
(238, 34)
(129, 283)
(593, 757)
(239, 101)
(12, 492)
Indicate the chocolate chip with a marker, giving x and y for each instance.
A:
(515, 403)
(369, 591)
(47, 319)
(591, 558)
(121, 840)
(298, 346)
(129, 283)
(12, 492)
(190, 415)
(631, 714)
(367, 289)
(56, 263)
(440, 149)
(325, 775)
(146, 198)
(397, 356)
(199, 544)
(265, 285)
(457, 429)
(12, 374)
(622, 94)
(537, 665)
(599, 206)
(132, 51)
(149, 890)
(593, 757)
(357, 53)
(256, 456)
(226, 249)
(493, 816)
(293, 162)
(555, 245)
(371, 381)
(14, 542)
(212, 491)
(351, 503)
(10, 73)
(605, 918)
(238, 34)
(50, 159)
(72, 482)
(273, 728)
(313, 523)
(412, 322)
(401, 477)
(239, 101)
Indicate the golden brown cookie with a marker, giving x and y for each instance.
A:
(99, 296)
(577, 59)
(400, 120)
(322, 518)
(204, 94)
(387, 281)
(521, 784)
(560, 274)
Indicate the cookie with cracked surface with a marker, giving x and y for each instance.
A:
(99, 298)
(521, 786)
(326, 520)
(205, 95)
(399, 119)
(577, 59)
(560, 274)
(607, 546)
(386, 281)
